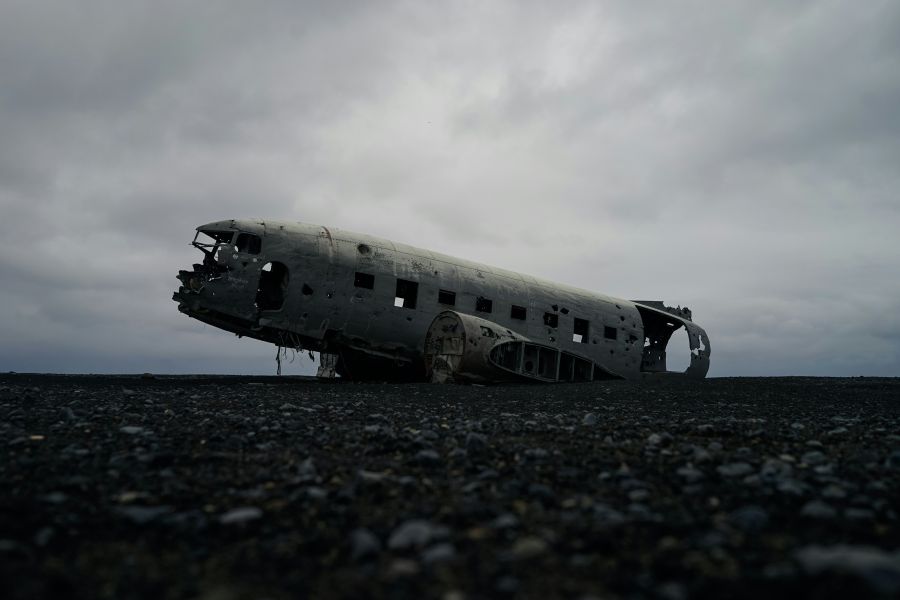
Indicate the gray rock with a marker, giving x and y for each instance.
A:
(701, 455)
(371, 477)
(791, 486)
(364, 544)
(415, 533)
(816, 509)
(607, 516)
(859, 514)
(428, 457)
(814, 458)
(536, 453)
(476, 442)
(638, 495)
(893, 460)
(316, 493)
(439, 553)
(457, 454)
(43, 536)
(774, 469)
(879, 569)
(54, 498)
(131, 429)
(541, 492)
(528, 547)
(589, 420)
(834, 492)
(689, 473)
(507, 585)
(505, 521)
(307, 470)
(736, 469)
(143, 514)
(239, 516)
(402, 567)
(749, 518)
(671, 590)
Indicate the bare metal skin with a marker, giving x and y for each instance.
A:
(378, 309)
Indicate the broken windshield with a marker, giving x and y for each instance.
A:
(210, 249)
(218, 237)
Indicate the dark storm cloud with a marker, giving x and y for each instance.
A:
(740, 159)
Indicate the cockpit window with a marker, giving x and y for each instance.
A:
(248, 243)
(221, 237)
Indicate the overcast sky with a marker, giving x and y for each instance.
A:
(740, 158)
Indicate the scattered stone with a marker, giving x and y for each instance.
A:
(428, 458)
(507, 585)
(817, 509)
(638, 495)
(814, 458)
(402, 567)
(879, 569)
(834, 492)
(143, 514)
(363, 544)
(239, 516)
(737, 469)
(751, 518)
(505, 521)
(859, 514)
(415, 533)
(536, 453)
(528, 547)
(336, 495)
(791, 487)
(690, 474)
(439, 553)
(476, 442)
(307, 470)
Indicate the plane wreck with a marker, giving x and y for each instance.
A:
(381, 310)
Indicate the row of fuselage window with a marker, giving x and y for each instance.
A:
(407, 293)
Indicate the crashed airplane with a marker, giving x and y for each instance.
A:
(379, 310)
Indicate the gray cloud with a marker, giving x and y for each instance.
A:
(740, 159)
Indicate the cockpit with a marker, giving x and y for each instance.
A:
(213, 241)
(233, 268)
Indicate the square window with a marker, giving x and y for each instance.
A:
(364, 280)
(609, 332)
(483, 304)
(407, 291)
(249, 243)
(517, 312)
(581, 331)
(447, 297)
(551, 319)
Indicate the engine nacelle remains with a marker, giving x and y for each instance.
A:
(466, 348)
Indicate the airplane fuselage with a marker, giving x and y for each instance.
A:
(371, 301)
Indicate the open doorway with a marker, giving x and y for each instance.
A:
(273, 285)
